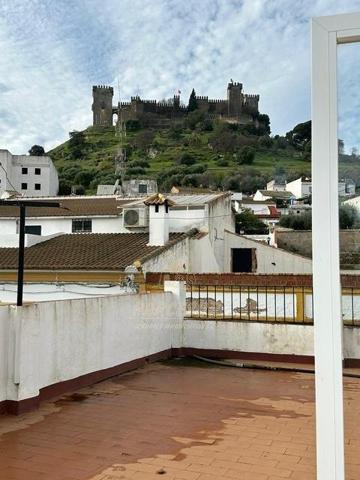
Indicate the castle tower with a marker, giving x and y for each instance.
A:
(235, 99)
(102, 105)
(176, 102)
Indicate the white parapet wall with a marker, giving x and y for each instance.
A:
(252, 337)
(51, 342)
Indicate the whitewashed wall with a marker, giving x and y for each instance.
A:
(269, 259)
(249, 337)
(50, 342)
(54, 225)
(189, 255)
(51, 291)
(46, 343)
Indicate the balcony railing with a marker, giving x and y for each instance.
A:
(250, 303)
(277, 298)
(279, 304)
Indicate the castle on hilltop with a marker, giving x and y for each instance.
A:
(238, 107)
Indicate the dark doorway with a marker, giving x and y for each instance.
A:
(242, 260)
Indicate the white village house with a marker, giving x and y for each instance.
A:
(302, 187)
(31, 176)
(95, 241)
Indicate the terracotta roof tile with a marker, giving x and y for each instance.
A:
(72, 207)
(276, 194)
(88, 251)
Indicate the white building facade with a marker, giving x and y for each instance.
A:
(29, 175)
(302, 187)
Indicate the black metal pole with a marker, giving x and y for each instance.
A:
(20, 278)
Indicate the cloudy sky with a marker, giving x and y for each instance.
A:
(53, 51)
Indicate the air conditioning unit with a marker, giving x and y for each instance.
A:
(135, 217)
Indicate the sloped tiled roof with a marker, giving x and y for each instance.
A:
(88, 251)
(70, 207)
(276, 194)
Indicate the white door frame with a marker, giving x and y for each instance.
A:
(327, 33)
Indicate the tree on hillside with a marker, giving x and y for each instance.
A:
(248, 223)
(300, 135)
(186, 159)
(144, 140)
(248, 181)
(296, 222)
(223, 140)
(245, 156)
(192, 102)
(348, 218)
(37, 151)
(77, 144)
(264, 127)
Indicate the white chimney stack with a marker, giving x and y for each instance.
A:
(158, 219)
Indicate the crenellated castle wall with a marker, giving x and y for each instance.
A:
(238, 106)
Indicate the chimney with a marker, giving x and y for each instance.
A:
(158, 219)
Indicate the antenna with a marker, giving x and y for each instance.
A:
(120, 132)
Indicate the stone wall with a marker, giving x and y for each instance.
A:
(300, 242)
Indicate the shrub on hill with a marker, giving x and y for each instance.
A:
(186, 159)
(130, 171)
(296, 222)
(198, 168)
(65, 187)
(222, 140)
(222, 162)
(190, 181)
(245, 156)
(175, 131)
(280, 142)
(78, 189)
(194, 119)
(248, 181)
(84, 177)
(143, 140)
(192, 140)
(348, 218)
(139, 163)
(69, 172)
(264, 124)
(77, 144)
(265, 141)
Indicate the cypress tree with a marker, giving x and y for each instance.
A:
(192, 102)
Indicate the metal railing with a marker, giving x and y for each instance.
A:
(277, 304)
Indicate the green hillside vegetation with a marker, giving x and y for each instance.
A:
(196, 152)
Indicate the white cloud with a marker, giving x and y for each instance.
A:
(52, 52)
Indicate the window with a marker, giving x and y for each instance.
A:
(243, 260)
(81, 225)
(143, 188)
(24, 186)
(37, 186)
(33, 229)
(37, 171)
(24, 170)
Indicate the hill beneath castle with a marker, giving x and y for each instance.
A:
(196, 152)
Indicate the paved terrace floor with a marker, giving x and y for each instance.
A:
(177, 420)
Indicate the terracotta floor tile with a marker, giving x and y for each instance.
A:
(177, 420)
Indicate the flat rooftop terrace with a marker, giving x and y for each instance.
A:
(183, 420)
